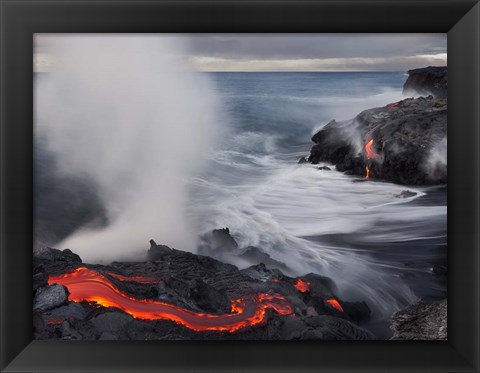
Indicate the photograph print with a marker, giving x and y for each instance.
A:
(240, 187)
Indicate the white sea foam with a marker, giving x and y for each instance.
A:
(281, 210)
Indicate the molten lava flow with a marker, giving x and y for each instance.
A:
(140, 279)
(88, 285)
(371, 154)
(391, 106)
(302, 286)
(335, 304)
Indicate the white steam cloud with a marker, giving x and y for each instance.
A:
(122, 111)
(437, 158)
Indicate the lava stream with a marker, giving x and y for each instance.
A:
(335, 304)
(302, 286)
(88, 285)
(371, 153)
(367, 172)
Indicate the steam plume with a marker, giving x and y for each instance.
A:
(437, 158)
(121, 111)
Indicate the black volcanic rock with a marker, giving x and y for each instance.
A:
(421, 321)
(55, 260)
(255, 255)
(262, 273)
(320, 286)
(357, 311)
(50, 297)
(406, 194)
(332, 143)
(195, 294)
(193, 282)
(47, 253)
(111, 322)
(407, 138)
(207, 298)
(40, 279)
(70, 311)
(69, 333)
(156, 252)
(426, 81)
(220, 239)
(220, 244)
(334, 329)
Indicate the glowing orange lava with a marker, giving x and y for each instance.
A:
(391, 106)
(302, 286)
(140, 279)
(88, 285)
(55, 322)
(371, 154)
(335, 304)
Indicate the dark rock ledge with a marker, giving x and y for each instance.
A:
(421, 321)
(428, 80)
(403, 142)
(194, 282)
(406, 135)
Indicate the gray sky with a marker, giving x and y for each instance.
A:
(300, 52)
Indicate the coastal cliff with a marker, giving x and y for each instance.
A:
(428, 80)
(404, 142)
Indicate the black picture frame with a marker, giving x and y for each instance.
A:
(21, 18)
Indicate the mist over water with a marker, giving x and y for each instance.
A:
(121, 112)
(361, 234)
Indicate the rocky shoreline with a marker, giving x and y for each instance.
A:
(195, 283)
(403, 142)
(203, 285)
(426, 81)
(421, 321)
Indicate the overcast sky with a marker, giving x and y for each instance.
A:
(300, 52)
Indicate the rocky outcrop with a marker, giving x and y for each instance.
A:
(50, 297)
(221, 245)
(421, 321)
(428, 80)
(49, 254)
(199, 284)
(403, 142)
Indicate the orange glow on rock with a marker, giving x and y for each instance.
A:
(391, 106)
(89, 285)
(140, 279)
(367, 172)
(302, 286)
(371, 154)
(335, 304)
(55, 322)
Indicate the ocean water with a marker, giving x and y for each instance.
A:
(377, 247)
